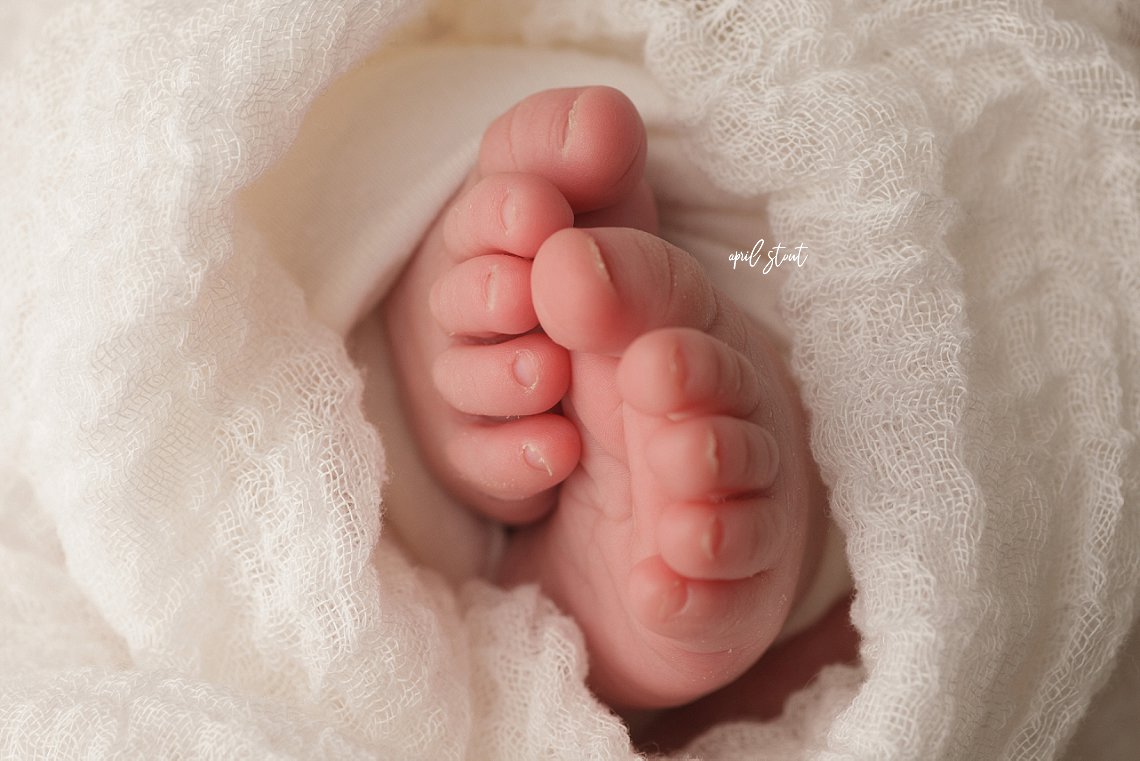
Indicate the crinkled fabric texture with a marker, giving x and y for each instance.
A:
(192, 563)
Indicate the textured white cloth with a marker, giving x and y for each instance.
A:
(189, 490)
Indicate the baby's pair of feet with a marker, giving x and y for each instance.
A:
(590, 387)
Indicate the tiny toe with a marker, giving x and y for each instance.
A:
(510, 212)
(598, 290)
(725, 540)
(589, 141)
(713, 457)
(705, 616)
(683, 371)
(485, 296)
(523, 376)
(509, 463)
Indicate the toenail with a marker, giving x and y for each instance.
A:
(570, 125)
(599, 260)
(713, 539)
(674, 600)
(535, 459)
(508, 211)
(526, 370)
(712, 453)
(677, 367)
(489, 287)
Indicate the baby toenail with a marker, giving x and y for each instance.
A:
(677, 367)
(508, 212)
(489, 287)
(674, 600)
(526, 370)
(712, 453)
(713, 539)
(599, 260)
(535, 459)
(570, 125)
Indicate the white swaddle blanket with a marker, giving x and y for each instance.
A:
(190, 493)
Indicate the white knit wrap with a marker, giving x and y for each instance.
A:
(189, 492)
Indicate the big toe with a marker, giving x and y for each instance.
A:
(597, 290)
(588, 141)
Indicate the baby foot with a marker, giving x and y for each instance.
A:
(694, 520)
(690, 511)
(461, 315)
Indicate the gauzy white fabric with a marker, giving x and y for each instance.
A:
(190, 493)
